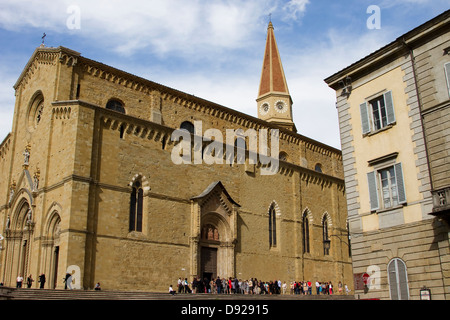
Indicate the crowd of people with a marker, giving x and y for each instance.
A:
(255, 286)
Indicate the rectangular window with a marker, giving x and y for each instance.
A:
(377, 113)
(379, 117)
(388, 184)
(386, 187)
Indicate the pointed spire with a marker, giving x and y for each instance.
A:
(274, 101)
(272, 76)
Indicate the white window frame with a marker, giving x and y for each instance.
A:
(367, 112)
(390, 172)
(376, 194)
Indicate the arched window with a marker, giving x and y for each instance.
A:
(188, 126)
(318, 168)
(305, 233)
(398, 280)
(283, 156)
(36, 110)
(326, 240)
(210, 232)
(272, 227)
(115, 105)
(136, 207)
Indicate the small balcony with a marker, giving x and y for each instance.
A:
(441, 203)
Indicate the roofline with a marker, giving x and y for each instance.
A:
(36, 52)
(396, 48)
(169, 90)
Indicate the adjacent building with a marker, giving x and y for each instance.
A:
(394, 113)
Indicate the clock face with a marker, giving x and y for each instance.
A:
(264, 108)
(280, 106)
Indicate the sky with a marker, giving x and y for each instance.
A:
(212, 49)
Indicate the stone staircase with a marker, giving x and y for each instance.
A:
(50, 294)
(7, 293)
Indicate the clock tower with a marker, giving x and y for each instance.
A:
(274, 101)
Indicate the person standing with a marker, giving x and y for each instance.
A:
(347, 290)
(19, 281)
(30, 281)
(180, 285)
(218, 285)
(41, 281)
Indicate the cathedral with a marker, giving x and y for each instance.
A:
(90, 186)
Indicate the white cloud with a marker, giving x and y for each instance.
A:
(126, 26)
(7, 100)
(295, 9)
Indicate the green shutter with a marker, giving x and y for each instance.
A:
(373, 190)
(393, 280)
(398, 280)
(400, 183)
(389, 103)
(365, 118)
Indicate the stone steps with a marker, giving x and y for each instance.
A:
(50, 294)
(7, 293)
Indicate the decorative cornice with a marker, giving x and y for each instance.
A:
(46, 56)
(192, 102)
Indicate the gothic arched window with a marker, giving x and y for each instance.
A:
(188, 126)
(326, 241)
(305, 233)
(36, 110)
(115, 105)
(272, 227)
(136, 207)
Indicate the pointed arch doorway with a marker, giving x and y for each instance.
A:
(213, 235)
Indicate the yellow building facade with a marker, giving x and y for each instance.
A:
(395, 162)
(90, 186)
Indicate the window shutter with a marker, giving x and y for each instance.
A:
(402, 280)
(365, 118)
(373, 190)
(400, 183)
(389, 103)
(392, 275)
(398, 280)
(447, 75)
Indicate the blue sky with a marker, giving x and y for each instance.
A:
(211, 48)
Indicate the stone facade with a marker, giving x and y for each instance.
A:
(66, 205)
(392, 167)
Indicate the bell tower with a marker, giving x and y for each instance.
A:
(274, 100)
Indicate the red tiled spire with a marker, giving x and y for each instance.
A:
(272, 76)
